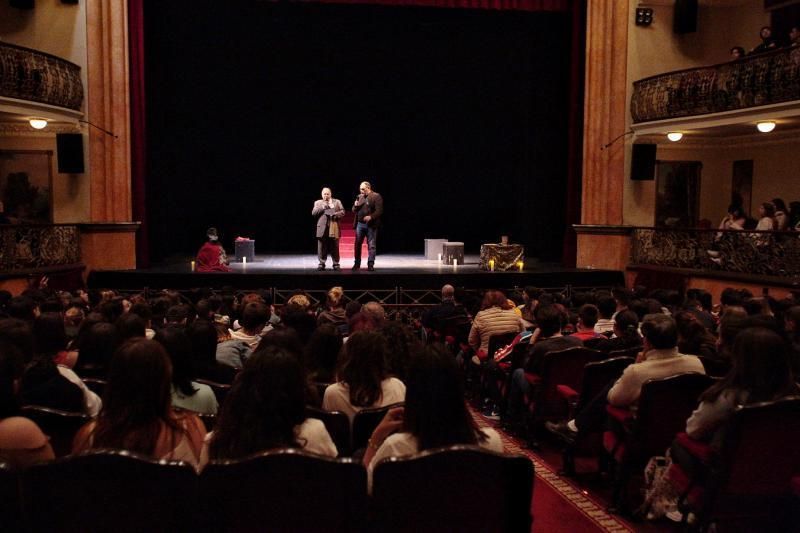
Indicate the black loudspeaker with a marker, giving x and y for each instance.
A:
(643, 162)
(685, 20)
(22, 4)
(70, 153)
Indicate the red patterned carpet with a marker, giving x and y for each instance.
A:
(557, 504)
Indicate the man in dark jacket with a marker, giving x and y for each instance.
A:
(368, 208)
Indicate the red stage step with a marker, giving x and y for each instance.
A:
(347, 239)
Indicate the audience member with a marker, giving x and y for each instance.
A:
(449, 308)
(265, 409)
(322, 353)
(234, 352)
(737, 52)
(587, 318)
(137, 415)
(494, 318)
(606, 307)
(98, 344)
(768, 42)
(334, 312)
(186, 394)
(626, 334)
(434, 415)
(363, 379)
(203, 341)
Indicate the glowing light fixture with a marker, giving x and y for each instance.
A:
(766, 126)
(674, 136)
(38, 123)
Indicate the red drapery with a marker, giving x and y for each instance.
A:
(575, 143)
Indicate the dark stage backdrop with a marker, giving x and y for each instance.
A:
(458, 117)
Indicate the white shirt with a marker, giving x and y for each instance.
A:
(337, 397)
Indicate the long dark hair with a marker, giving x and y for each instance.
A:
(761, 367)
(137, 399)
(627, 323)
(11, 367)
(435, 412)
(176, 343)
(264, 405)
(364, 368)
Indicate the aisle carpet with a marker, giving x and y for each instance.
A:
(557, 504)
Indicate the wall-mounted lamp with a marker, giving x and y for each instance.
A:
(38, 123)
(644, 16)
(765, 126)
(674, 136)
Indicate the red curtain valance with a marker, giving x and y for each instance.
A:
(500, 5)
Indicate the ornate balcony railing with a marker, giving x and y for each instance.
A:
(765, 253)
(38, 245)
(758, 80)
(26, 74)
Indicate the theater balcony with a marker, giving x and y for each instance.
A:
(35, 84)
(752, 89)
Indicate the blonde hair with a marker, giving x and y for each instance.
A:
(300, 300)
(335, 296)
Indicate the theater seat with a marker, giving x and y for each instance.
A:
(365, 422)
(60, 426)
(283, 490)
(109, 491)
(10, 510)
(456, 488)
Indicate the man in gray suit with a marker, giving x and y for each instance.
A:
(327, 211)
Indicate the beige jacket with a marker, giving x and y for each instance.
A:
(658, 364)
(493, 321)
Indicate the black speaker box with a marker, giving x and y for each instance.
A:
(643, 162)
(685, 20)
(70, 153)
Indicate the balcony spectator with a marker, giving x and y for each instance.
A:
(794, 216)
(768, 42)
(781, 214)
(794, 37)
(737, 52)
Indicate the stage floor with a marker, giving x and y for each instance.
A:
(410, 271)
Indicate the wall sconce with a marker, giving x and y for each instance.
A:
(765, 126)
(38, 123)
(674, 136)
(644, 16)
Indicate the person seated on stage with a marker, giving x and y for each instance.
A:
(659, 359)
(266, 409)
(234, 352)
(211, 257)
(587, 318)
(364, 378)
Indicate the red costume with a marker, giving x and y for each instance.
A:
(209, 258)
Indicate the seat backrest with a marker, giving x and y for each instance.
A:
(338, 426)
(561, 367)
(457, 488)
(320, 388)
(759, 449)
(597, 375)
(455, 326)
(10, 508)
(283, 490)
(714, 367)
(109, 490)
(498, 341)
(664, 406)
(627, 352)
(365, 422)
(220, 389)
(60, 426)
(96, 385)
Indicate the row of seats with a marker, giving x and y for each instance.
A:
(457, 488)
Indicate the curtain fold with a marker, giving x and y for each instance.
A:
(138, 127)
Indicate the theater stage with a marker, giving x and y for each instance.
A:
(392, 271)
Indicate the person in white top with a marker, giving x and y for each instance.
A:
(265, 409)
(434, 415)
(364, 380)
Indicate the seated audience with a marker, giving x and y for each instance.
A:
(781, 214)
(626, 334)
(433, 317)
(22, 443)
(659, 358)
(403, 344)
(203, 341)
(137, 415)
(265, 409)
(334, 312)
(234, 352)
(606, 306)
(186, 394)
(364, 380)
(737, 52)
(98, 344)
(587, 318)
(760, 373)
(434, 414)
(49, 384)
(322, 354)
(494, 318)
(693, 337)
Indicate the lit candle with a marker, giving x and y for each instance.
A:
(244, 262)
(491, 265)
(520, 264)
(440, 258)
(191, 265)
(455, 262)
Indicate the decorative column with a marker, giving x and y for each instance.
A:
(109, 156)
(604, 119)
